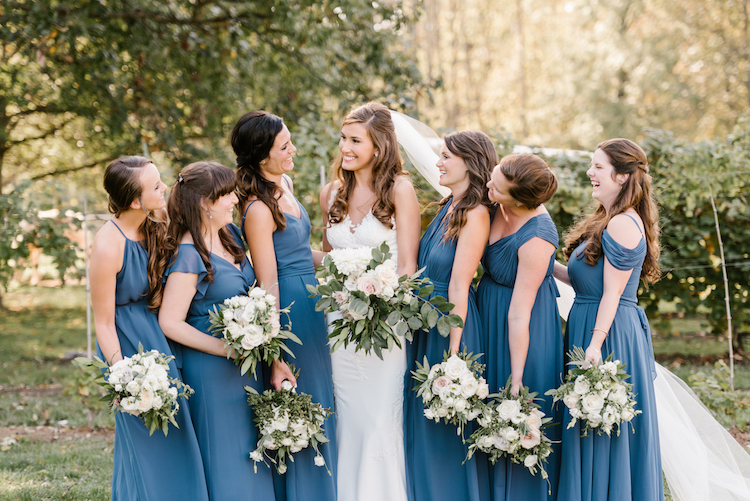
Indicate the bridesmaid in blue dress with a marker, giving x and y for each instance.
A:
(517, 303)
(450, 251)
(207, 267)
(277, 231)
(609, 252)
(125, 292)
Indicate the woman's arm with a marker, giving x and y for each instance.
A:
(179, 292)
(533, 261)
(469, 250)
(408, 225)
(560, 272)
(259, 223)
(623, 230)
(107, 253)
(325, 195)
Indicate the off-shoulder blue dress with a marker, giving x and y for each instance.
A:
(625, 467)
(434, 452)
(544, 362)
(149, 467)
(222, 417)
(303, 481)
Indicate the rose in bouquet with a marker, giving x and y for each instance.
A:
(251, 326)
(287, 422)
(377, 306)
(140, 385)
(513, 426)
(452, 390)
(596, 394)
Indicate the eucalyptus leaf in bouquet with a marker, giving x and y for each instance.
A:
(378, 308)
(596, 394)
(140, 385)
(513, 426)
(250, 326)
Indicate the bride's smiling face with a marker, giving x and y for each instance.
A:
(356, 147)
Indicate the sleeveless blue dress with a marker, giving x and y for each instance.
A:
(544, 362)
(625, 467)
(149, 467)
(222, 417)
(434, 452)
(303, 480)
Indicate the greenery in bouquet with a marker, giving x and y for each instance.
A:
(250, 325)
(596, 394)
(287, 422)
(377, 307)
(513, 426)
(140, 385)
(452, 390)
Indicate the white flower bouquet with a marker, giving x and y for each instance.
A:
(512, 425)
(452, 390)
(377, 306)
(596, 394)
(140, 385)
(251, 326)
(287, 422)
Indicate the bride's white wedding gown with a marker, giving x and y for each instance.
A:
(369, 396)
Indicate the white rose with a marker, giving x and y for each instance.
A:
(298, 428)
(133, 387)
(286, 385)
(500, 442)
(627, 414)
(387, 275)
(593, 403)
(257, 293)
(270, 300)
(429, 414)
(486, 442)
(319, 461)
(129, 405)
(455, 367)
(287, 442)
(460, 405)
(518, 418)
(598, 386)
(158, 402)
(534, 421)
(228, 315)
(483, 389)
(531, 440)
(469, 387)
(508, 408)
(441, 386)
(530, 461)
(594, 420)
(253, 337)
(233, 331)
(581, 385)
(145, 400)
(610, 367)
(441, 412)
(571, 400)
(511, 434)
(248, 313)
(619, 394)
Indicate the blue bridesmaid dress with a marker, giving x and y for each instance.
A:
(149, 467)
(544, 362)
(434, 452)
(303, 480)
(222, 417)
(625, 467)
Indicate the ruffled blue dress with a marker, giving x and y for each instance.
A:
(303, 481)
(435, 468)
(222, 417)
(625, 467)
(149, 467)
(544, 362)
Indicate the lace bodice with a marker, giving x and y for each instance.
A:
(368, 233)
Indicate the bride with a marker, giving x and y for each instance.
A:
(370, 201)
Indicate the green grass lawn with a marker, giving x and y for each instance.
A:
(51, 453)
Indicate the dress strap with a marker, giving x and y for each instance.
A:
(636, 223)
(244, 214)
(118, 229)
(286, 180)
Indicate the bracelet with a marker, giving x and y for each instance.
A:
(606, 333)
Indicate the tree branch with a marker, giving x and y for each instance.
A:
(68, 170)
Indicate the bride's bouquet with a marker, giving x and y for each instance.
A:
(287, 423)
(452, 390)
(140, 385)
(596, 394)
(251, 326)
(377, 306)
(512, 425)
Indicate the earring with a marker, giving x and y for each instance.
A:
(376, 154)
(518, 204)
(263, 162)
(208, 213)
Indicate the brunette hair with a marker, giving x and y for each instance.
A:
(252, 139)
(478, 152)
(388, 165)
(122, 182)
(532, 183)
(199, 182)
(627, 158)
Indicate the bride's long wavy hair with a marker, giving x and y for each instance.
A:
(475, 148)
(627, 158)
(386, 168)
(122, 182)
